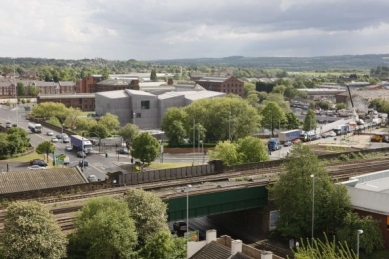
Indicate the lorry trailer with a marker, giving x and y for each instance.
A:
(289, 135)
(80, 143)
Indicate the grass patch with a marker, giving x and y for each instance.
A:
(29, 157)
(168, 165)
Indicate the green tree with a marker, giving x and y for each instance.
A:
(290, 92)
(253, 98)
(4, 145)
(18, 140)
(225, 151)
(272, 115)
(251, 150)
(370, 240)
(104, 229)
(33, 91)
(340, 106)
(292, 195)
(72, 116)
(50, 109)
(279, 89)
(128, 132)
(292, 121)
(84, 124)
(148, 212)
(279, 99)
(110, 121)
(145, 147)
(99, 131)
(310, 121)
(31, 231)
(153, 75)
(164, 246)
(47, 148)
(21, 90)
(173, 124)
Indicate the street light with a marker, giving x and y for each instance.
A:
(161, 149)
(134, 115)
(313, 204)
(97, 135)
(359, 232)
(16, 96)
(194, 136)
(229, 126)
(202, 149)
(187, 208)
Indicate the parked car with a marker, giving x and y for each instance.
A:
(69, 148)
(36, 167)
(287, 143)
(92, 178)
(14, 125)
(179, 226)
(81, 154)
(58, 136)
(8, 125)
(54, 140)
(38, 162)
(65, 139)
(123, 151)
(49, 133)
(331, 134)
(85, 162)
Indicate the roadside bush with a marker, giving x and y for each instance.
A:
(353, 156)
(343, 157)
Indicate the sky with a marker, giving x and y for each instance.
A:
(175, 29)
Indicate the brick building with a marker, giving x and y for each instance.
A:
(85, 102)
(228, 85)
(93, 84)
(7, 87)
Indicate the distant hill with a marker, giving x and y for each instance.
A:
(346, 62)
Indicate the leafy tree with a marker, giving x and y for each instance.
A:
(279, 99)
(290, 92)
(292, 121)
(54, 121)
(33, 91)
(225, 151)
(99, 131)
(292, 194)
(148, 212)
(272, 115)
(72, 117)
(4, 145)
(84, 124)
(18, 140)
(128, 132)
(50, 109)
(45, 147)
(253, 98)
(251, 150)
(104, 229)
(199, 133)
(145, 147)
(323, 250)
(31, 231)
(279, 89)
(164, 246)
(110, 121)
(153, 75)
(21, 90)
(340, 106)
(370, 240)
(173, 124)
(310, 121)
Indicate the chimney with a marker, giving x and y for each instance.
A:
(266, 255)
(211, 235)
(236, 246)
(170, 81)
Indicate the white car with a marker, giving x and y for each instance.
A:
(331, 134)
(69, 148)
(36, 167)
(49, 133)
(54, 139)
(92, 178)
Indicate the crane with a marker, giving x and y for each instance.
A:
(358, 121)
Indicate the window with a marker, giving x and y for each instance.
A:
(145, 105)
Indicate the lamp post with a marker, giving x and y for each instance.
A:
(187, 208)
(202, 149)
(194, 136)
(161, 149)
(97, 135)
(359, 232)
(16, 96)
(229, 126)
(313, 205)
(134, 115)
(83, 153)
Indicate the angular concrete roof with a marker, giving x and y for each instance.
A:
(113, 94)
(191, 95)
(28, 180)
(136, 92)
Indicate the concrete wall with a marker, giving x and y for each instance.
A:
(118, 106)
(164, 104)
(145, 118)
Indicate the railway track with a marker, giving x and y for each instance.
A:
(339, 172)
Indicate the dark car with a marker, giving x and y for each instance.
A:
(287, 143)
(83, 161)
(123, 151)
(38, 162)
(179, 226)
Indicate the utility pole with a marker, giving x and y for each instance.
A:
(16, 96)
(194, 136)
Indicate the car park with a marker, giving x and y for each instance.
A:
(287, 143)
(83, 163)
(36, 167)
(81, 154)
(54, 139)
(92, 178)
(68, 148)
(49, 133)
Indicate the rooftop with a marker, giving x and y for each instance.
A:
(28, 180)
(66, 96)
(113, 94)
(368, 93)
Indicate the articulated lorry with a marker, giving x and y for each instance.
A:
(35, 127)
(80, 143)
(306, 136)
(289, 135)
(341, 130)
(273, 144)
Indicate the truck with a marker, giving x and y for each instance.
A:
(341, 130)
(306, 136)
(289, 135)
(80, 143)
(273, 144)
(35, 127)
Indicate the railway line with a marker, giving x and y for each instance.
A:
(339, 172)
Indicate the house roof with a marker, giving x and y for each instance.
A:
(213, 79)
(213, 250)
(28, 180)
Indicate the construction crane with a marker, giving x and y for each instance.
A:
(358, 121)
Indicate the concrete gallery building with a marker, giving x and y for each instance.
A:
(144, 109)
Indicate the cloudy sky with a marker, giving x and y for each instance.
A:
(170, 29)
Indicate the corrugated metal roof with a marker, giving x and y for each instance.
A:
(213, 250)
(20, 181)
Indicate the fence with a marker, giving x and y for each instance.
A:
(167, 174)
